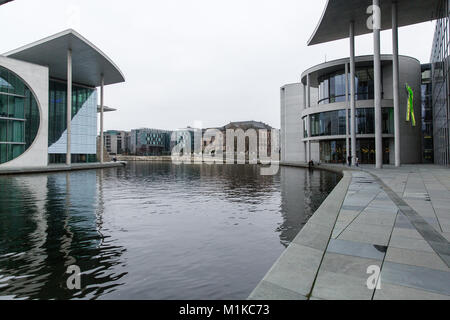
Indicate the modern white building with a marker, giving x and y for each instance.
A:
(49, 101)
(316, 113)
(358, 107)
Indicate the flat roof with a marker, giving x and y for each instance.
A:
(88, 62)
(335, 21)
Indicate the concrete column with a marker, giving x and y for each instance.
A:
(352, 92)
(304, 96)
(396, 83)
(101, 118)
(308, 151)
(308, 144)
(69, 107)
(308, 123)
(347, 124)
(308, 91)
(378, 93)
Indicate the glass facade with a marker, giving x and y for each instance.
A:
(19, 116)
(333, 123)
(332, 86)
(440, 84)
(427, 116)
(334, 151)
(151, 142)
(330, 123)
(83, 126)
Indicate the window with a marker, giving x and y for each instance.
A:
(331, 123)
(19, 116)
(332, 86)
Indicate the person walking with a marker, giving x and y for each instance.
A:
(349, 160)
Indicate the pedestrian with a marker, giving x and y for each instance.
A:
(349, 161)
(357, 161)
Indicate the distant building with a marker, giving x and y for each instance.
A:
(116, 142)
(185, 135)
(245, 126)
(150, 142)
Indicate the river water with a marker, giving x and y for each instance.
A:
(151, 230)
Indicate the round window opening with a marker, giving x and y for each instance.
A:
(19, 116)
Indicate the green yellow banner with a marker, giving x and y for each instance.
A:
(410, 108)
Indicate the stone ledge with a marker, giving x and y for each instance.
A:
(61, 168)
(297, 268)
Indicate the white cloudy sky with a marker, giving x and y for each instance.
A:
(213, 61)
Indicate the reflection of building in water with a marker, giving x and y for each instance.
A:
(302, 193)
(238, 180)
(49, 222)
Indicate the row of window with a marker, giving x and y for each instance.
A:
(75, 158)
(333, 123)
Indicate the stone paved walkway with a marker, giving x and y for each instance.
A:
(396, 220)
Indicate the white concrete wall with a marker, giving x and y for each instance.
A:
(37, 79)
(291, 133)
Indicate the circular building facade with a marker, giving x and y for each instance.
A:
(19, 116)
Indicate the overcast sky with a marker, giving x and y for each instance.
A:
(213, 61)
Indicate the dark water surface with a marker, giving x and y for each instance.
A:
(151, 230)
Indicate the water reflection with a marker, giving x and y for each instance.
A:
(47, 223)
(151, 230)
(302, 193)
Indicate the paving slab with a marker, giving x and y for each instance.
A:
(381, 239)
(296, 269)
(397, 219)
(416, 277)
(394, 292)
(357, 249)
(416, 258)
(353, 266)
(269, 291)
(335, 286)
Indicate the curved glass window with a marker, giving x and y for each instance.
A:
(19, 116)
(332, 86)
(333, 123)
(364, 84)
(365, 121)
(330, 123)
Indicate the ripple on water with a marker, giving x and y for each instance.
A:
(151, 230)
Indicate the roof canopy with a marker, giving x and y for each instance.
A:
(105, 109)
(334, 24)
(88, 62)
